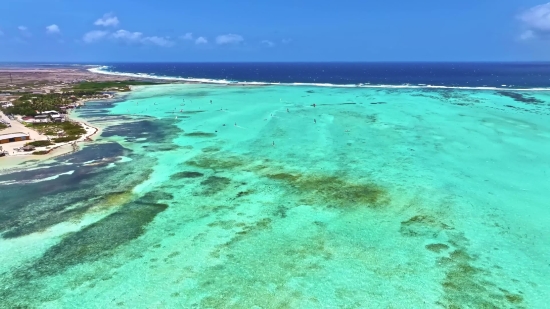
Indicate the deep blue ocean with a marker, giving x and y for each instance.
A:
(501, 75)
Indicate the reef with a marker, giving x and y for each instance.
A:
(518, 97)
(186, 174)
(200, 134)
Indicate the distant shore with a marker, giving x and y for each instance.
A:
(43, 80)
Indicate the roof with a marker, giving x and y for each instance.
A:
(13, 135)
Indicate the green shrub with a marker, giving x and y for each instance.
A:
(65, 139)
(71, 128)
(40, 143)
(40, 152)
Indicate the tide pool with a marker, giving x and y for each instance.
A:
(214, 196)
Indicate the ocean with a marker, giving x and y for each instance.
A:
(293, 186)
(412, 75)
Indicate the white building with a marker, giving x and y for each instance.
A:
(6, 104)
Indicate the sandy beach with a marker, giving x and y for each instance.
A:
(15, 159)
(14, 80)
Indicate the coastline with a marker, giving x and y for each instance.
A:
(18, 80)
(189, 80)
(347, 197)
(14, 162)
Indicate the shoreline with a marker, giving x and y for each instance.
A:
(17, 80)
(224, 82)
(11, 163)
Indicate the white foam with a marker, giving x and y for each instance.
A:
(103, 70)
(11, 182)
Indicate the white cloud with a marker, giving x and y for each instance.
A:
(229, 39)
(24, 31)
(201, 40)
(127, 35)
(267, 43)
(94, 36)
(138, 38)
(51, 29)
(536, 21)
(107, 20)
(286, 41)
(159, 41)
(187, 36)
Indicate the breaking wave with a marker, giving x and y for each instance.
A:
(105, 70)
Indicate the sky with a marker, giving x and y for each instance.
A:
(101, 31)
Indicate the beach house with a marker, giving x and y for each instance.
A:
(6, 104)
(13, 137)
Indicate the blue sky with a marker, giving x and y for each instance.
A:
(237, 30)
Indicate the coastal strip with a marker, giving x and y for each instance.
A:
(36, 104)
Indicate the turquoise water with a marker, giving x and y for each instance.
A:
(378, 198)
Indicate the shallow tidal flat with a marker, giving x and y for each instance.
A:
(394, 198)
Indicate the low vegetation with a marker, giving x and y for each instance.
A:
(70, 131)
(106, 86)
(29, 104)
(42, 152)
(66, 139)
(40, 143)
(3, 126)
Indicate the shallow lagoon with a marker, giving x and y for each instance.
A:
(394, 198)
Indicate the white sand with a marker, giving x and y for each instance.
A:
(15, 158)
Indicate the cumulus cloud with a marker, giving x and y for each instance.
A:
(229, 39)
(127, 35)
(187, 36)
(52, 29)
(94, 36)
(24, 31)
(138, 38)
(536, 21)
(156, 40)
(267, 43)
(201, 40)
(107, 20)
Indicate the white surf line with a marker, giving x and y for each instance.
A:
(100, 70)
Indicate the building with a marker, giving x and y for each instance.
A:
(42, 118)
(51, 113)
(13, 137)
(6, 104)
